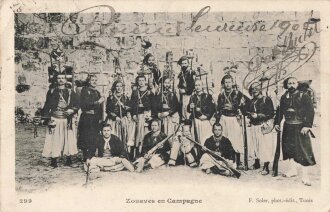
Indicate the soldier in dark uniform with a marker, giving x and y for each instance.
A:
(141, 110)
(202, 108)
(165, 106)
(218, 143)
(229, 110)
(60, 106)
(151, 139)
(149, 62)
(111, 153)
(91, 116)
(116, 108)
(297, 108)
(186, 85)
(261, 116)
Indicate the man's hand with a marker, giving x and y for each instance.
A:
(69, 112)
(305, 130)
(192, 105)
(88, 162)
(118, 119)
(278, 128)
(254, 115)
(101, 100)
(135, 118)
(203, 117)
(182, 91)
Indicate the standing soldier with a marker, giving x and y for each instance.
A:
(166, 106)
(297, 108)
(149, 63)
(91, 116)
(202, 108)
(117, 107)
(61, 104)
(261, 114)
(229, 111)
(141, 111)
(186, 85)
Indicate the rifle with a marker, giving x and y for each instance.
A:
(216, 154)
(277, 151)
(87, 177)
(246, 165)
(157, 146)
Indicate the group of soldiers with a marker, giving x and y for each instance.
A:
(157, 126)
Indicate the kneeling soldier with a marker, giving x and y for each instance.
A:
(183, 150)
(150, 158)
(218, 143)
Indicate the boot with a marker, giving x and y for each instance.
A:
(238, 162)
(53, 162)
(256, 164)
(68, 161)
(265, 170)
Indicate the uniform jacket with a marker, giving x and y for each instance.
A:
(205, 103)
(52, 100)
(113, 107)
(224, 147)
(117, 148)
(264, 109)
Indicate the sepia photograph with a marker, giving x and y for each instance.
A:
(190, 98)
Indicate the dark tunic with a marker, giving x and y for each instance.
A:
(187, 81)
(229, 103)
(169, 98)
(88, 127)
(264, 109)
(117, 148)
(298, 112)
(204, 105)
(138, 97)
(223, 146)
(150, 141)
(113, 107)
(52, 100)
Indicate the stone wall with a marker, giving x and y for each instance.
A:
(253, 42)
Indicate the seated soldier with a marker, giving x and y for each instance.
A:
(150, 158)
(183, 151)
(111, 153)
(218, 143)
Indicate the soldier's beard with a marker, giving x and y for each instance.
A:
(184, 68)
(291, 89)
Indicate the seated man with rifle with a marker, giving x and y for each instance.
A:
(111, 153)
(220, 144)
(155, 148)
(183, 151)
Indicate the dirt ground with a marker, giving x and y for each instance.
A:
(33, 173)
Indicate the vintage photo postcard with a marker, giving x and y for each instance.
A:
(165, 105)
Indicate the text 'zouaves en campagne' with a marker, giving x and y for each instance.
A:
(168, 200)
